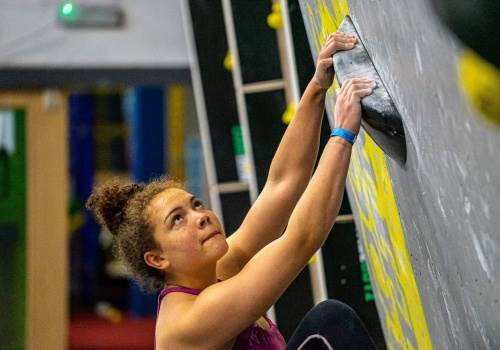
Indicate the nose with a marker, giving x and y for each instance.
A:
(203, 220)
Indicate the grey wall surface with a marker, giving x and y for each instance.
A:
(448, 193)
(153, 37)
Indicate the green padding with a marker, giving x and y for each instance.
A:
(13, 241)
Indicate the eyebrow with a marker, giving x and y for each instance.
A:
(191, 199)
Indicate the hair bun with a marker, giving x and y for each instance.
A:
(109, 201)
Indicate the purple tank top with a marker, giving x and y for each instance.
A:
(252, 338)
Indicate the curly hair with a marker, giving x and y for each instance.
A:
(120, 207)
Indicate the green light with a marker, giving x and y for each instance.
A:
(67, 9)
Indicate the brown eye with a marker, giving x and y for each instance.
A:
(198, 204)
(177, 219)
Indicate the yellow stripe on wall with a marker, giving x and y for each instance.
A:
(380, 227)
(379, 223)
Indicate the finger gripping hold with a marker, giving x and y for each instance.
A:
(380, 117)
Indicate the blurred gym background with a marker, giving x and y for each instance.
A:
(91, 90)
(96, 89)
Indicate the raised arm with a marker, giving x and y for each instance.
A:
(293, 162)
(247, 295)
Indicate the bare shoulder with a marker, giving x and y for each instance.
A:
(171, 324)
(175, 328)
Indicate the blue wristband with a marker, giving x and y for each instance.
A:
(345, 134)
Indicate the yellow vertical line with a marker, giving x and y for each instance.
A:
(176, 104)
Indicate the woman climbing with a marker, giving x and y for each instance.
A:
(215, 290)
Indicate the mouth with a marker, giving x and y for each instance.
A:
(213, 234)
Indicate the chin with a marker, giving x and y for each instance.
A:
(223, 248)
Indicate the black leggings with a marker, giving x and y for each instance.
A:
(330, 325)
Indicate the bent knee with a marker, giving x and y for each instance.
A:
(336, 307)
(334, 312)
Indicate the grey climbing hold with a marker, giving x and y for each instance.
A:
(380, 117)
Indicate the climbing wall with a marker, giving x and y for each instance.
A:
(430, 227)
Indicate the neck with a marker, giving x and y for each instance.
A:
(196, 280)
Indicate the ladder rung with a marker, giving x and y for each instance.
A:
(232, 187)
(263, 86)
(344, 219)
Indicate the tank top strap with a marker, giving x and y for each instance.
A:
(180, 289)
(168, 290)
(187, 290)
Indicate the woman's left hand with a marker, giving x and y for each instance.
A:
(324, 66)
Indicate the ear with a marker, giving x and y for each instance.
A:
(155, 259)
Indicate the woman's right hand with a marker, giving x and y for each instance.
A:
(348, 106)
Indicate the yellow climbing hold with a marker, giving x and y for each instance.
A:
(287, 116)
(481, 82)
(275, 19)
(228, 61)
